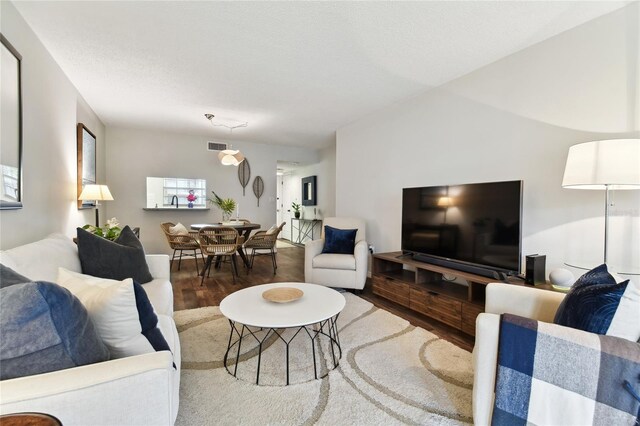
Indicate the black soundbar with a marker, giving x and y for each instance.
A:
(464, 267)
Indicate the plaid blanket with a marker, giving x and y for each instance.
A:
(553, 375)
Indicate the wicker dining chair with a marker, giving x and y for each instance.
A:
(264, 241)
(219, 242)
(181, 243)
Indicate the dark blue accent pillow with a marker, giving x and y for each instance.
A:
(45, 328)
(10, 277)
(591, 302)
(149, 320)
(339, 241)
(598, 275)
(116, 260)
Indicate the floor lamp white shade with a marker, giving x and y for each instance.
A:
(604, 165)
(97, 193)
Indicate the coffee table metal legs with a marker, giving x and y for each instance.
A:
(327, 328)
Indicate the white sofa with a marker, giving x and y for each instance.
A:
(501, 298)
(338, 270)
(137, 390)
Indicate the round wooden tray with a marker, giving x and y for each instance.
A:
(282, 294)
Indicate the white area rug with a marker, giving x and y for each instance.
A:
(390, 373)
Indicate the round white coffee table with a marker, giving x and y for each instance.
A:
(315, 313)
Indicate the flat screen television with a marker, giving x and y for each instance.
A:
(478, 224)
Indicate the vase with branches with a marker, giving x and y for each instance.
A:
(226, 205)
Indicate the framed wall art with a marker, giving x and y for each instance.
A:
(309, 191)
(11, 129)
(86, 163)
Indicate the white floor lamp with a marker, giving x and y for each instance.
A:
(604, 165)
(97, 193)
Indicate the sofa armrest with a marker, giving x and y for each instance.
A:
(311, 249)
(132, 390)
(361, 253)
(526, 302)
(159, 266)
(502, 298)
(485, 361)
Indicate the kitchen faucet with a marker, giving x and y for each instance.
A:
(176, 198)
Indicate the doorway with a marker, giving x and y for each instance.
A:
(288, 186)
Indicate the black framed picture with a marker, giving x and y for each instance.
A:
(86, 163)
(309, 191)
(11, 135)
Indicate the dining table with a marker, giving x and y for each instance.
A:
(243, 228)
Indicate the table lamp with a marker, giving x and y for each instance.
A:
(604, 165)
(97, 193)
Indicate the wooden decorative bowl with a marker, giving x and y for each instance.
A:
(282, 294)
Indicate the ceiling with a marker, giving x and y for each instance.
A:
(296, 71)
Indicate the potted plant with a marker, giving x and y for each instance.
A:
(296, 208)
(226, 205)
(110, 231)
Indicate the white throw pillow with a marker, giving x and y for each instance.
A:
(272, 230)
(626, 319)
(112, 308)
(178, 229)
(58, 250)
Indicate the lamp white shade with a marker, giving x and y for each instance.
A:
(96, 192)
(445, 202)
(613, 163)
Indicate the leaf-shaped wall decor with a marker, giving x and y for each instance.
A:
(258, 188)
(244, 174)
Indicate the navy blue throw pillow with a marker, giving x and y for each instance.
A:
(592, 302)
(45, 328)
(339, 241)
(598, 275)
(149, 320)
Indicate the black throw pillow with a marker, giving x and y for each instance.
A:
(10, 277)
(339, 241)
(117, 260)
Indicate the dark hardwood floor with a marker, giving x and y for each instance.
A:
(189, 294)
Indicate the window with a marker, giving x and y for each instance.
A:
(161, 191)
(10, 182)
(182, 188)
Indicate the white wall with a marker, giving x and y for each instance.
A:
(51, 109)
(514, 119)
(325, 171)
(132, 155)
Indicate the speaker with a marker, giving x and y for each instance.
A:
(535, 269)
(477, 270)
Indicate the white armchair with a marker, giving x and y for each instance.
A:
(502, 298)
(338, 270)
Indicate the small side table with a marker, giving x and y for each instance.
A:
(306, 229)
